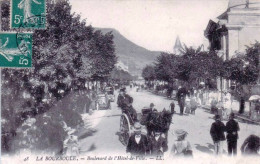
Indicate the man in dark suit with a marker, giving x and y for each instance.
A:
(138, 143)
(181, 94)
(232, 128)
(121, 98)
(158, 144)
(217, 133)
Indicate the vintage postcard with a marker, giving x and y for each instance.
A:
(130, 81)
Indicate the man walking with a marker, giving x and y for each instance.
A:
(138, 143)
(217, 133)
(181, 94)
(232, 128)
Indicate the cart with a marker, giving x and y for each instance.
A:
(149, 124)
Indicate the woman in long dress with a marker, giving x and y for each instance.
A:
(181, 147)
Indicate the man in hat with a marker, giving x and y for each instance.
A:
(121, 98)
(232, 128)
(158, 144)
(217, 133)
(181, 94)
(138, 143)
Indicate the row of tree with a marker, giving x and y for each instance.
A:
(195, 64)
(66, 55)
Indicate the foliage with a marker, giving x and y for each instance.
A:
(148, 73)
(244, 68)
(166, 66)
(120, 75)
(193, 64)
(65, 56)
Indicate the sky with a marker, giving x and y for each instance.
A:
(153, 24)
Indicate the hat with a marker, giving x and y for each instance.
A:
(217, 117)
(137, 127)
(180, 132)
(152, 105)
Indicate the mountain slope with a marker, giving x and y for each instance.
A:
(132, 55)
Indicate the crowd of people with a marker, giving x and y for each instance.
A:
(155, 143)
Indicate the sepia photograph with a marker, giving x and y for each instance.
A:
(130, 81)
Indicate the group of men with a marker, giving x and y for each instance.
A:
(142, 145)
(251, 146)
(217, 131)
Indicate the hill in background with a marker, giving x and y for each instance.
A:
(132, 55)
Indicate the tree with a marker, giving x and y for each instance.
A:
(65, 55)
(148, 73)
(165, 67)
(243, 69)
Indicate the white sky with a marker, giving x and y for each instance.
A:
(153, 24)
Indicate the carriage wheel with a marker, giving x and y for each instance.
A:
(124, 129)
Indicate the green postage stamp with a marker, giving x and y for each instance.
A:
(15, 49)
(29, 14)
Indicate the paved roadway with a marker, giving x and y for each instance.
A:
(105, 141)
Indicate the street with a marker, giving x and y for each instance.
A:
(106, 124)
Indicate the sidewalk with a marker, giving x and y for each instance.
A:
(235, 108)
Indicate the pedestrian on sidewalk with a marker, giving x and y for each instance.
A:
(187, 105)
(217, 133)
(232, 128)
(181, 94)
(181, 147)
(193, 104)
(214, 108)
(227, 104)
(138, 143)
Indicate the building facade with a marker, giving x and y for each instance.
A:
(236, 28)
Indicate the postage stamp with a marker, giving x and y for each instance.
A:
(15, 49)
(29, 14)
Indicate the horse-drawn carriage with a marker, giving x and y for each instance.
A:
(151, 121)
